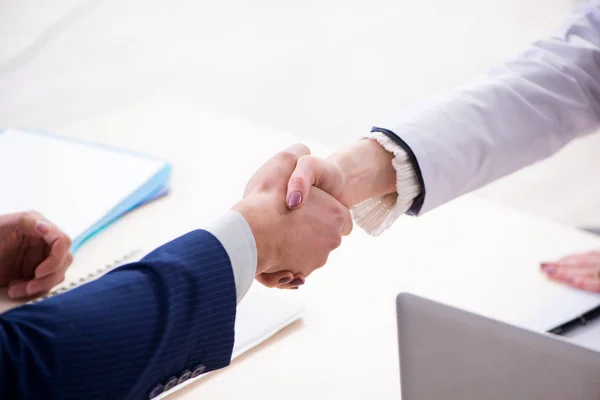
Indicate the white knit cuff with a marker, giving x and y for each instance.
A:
(378, 214)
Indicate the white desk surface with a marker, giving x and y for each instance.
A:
(470, 253)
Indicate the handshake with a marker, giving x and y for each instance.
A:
(296, 205)
(295, 225)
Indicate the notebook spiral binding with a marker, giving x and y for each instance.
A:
(71, 284)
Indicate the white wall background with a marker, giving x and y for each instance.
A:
(325, 69)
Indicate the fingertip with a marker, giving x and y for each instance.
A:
(17, 289)
(42, 227)
(286, 278)
(548, 268)
(299, 281)
(298, 149)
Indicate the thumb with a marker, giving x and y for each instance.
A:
(313, 171)
(29, 223)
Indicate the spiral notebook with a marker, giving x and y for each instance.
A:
(85, 186)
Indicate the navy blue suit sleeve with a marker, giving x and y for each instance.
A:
(142, 325)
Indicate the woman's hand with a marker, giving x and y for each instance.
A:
(323, 173)
(580, 271)
(34, 254)
(352, 175)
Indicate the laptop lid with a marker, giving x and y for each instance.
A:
(451, 354)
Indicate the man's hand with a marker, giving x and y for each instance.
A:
(34, 254)
(290, 244)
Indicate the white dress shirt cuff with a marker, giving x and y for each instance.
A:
(235, 236)
(378, 214)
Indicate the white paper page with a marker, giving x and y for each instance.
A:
(71, 183)
(560, 305)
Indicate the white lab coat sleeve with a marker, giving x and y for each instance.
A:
(516, 114)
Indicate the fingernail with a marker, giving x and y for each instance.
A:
(284, 280)
(33, 288)
(42, 227)
(294, 199)
(297, 282)
(16, 292)
(547, 267)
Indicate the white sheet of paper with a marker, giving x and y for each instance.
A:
(560, 305)
(70, 182)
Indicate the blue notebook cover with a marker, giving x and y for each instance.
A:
(81, 186)
(152, 190)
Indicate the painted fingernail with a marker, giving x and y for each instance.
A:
(547, 267)
(294, 199)
(297, 282)
(42, 227)
(284, 280)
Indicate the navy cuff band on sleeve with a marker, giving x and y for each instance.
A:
(418, 202)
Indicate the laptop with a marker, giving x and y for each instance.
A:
(450, 354)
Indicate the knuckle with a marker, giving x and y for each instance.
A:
(23, 218)
(297, 181)
(349, 228)
(308, 161)
(339, 213)
(60, 277)
(287, 156)
(323, 261)
(259, 186)
(336, 242)
(301, 148)
(32, 214)
(68, 241)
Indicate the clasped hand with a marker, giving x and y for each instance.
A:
(34, 254)
(311, 198)
(290, 244)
